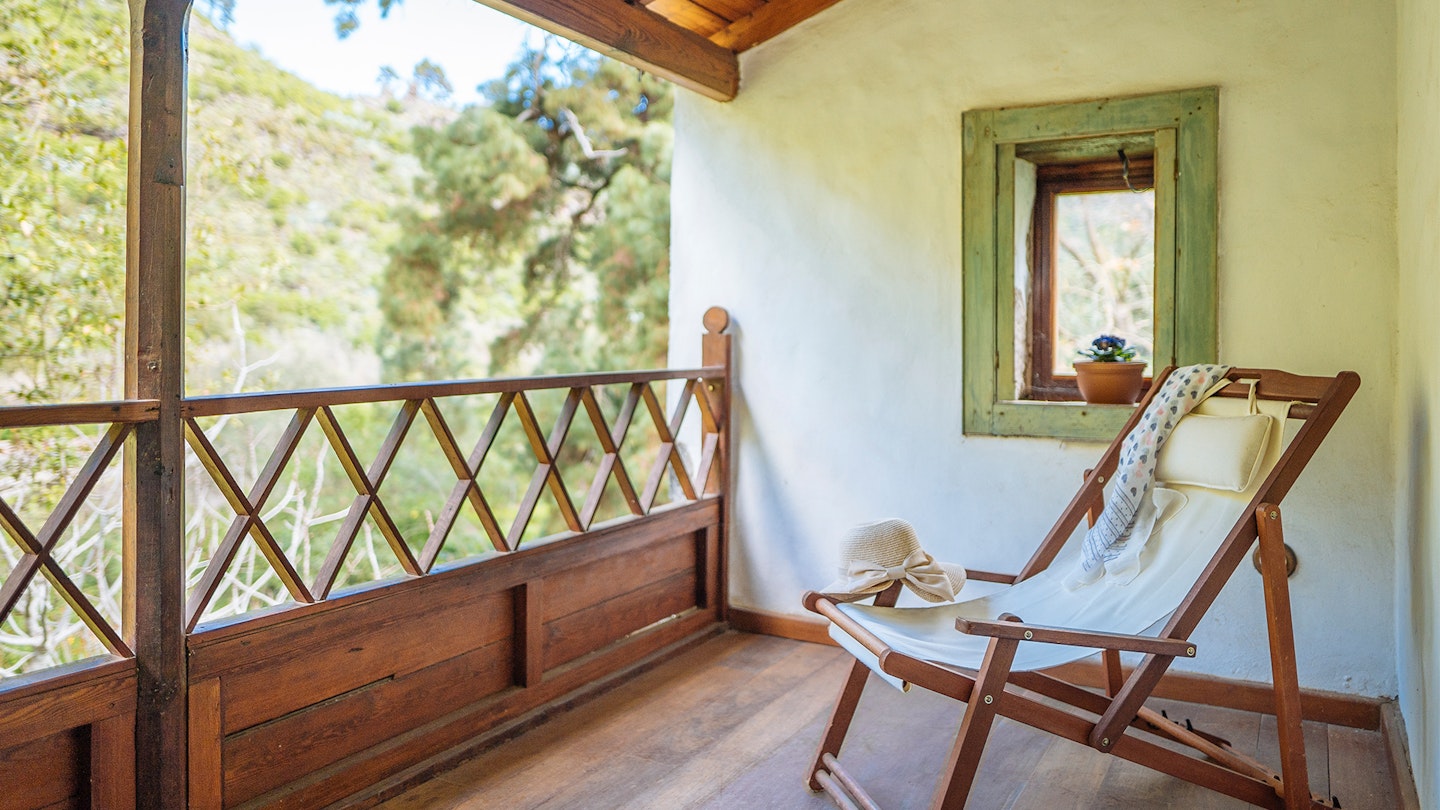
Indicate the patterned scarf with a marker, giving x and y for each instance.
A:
(1130, 511)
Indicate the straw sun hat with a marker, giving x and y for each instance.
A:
(875, 554)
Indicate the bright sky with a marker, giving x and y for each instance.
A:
(473, 43)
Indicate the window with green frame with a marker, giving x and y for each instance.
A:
(1016, 161)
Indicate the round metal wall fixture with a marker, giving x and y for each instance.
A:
(1290, 562)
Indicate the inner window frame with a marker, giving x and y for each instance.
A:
(1182, 129)
(1135, 173)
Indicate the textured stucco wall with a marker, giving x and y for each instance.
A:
(1416, 430)
(822, 207)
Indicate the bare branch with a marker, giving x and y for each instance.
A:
(581, 138)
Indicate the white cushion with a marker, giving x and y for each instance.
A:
(1217, 452)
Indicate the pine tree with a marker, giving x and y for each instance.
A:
(546, 210)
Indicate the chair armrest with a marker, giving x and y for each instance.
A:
(1077, 638)
(989, 576)
(825, 606)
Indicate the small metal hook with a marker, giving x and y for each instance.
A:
(1125, 171)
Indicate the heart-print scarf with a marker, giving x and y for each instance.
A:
(1130, 510)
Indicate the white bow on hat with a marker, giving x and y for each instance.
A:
(877, 554)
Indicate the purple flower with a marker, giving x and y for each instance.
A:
(1108, 349)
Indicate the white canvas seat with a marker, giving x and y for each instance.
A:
(1182, 544)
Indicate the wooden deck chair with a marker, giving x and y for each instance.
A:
(991, 652)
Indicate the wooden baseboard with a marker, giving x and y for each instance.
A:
(1397, 749)
(765, 623)
(1326, 707)
(1334, 708)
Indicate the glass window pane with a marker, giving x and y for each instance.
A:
(1104, 272)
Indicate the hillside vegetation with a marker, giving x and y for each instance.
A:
(331, 241)
(290, 193)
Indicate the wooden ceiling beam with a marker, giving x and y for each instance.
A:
(688, 14)
(767, 21)
(731, 10)
(637, 37)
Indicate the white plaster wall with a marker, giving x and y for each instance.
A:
(1417, 433)
(822, 207)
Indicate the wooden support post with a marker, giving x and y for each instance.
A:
(1282, 657)
(707, 584)
(716, 349)
(154, 563)
(530, 632)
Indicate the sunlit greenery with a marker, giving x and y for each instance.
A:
(1104, 272)
(330, 242)
(546, 210)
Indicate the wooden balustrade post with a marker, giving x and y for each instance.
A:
(154, 586)
(716, 349)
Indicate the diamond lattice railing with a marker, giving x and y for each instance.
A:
(65, 568)
(545, 453)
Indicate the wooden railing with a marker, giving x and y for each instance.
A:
(700, 386)
(37, 547)
(67, 732)
(536, 614)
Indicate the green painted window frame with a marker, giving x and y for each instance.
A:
(1184, 128)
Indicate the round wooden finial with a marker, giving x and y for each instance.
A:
(716, 319)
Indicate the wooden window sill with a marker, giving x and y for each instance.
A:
(1059, 420)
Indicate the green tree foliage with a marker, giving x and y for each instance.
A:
(347, 18)
(62, 186)
(282, 263)
(1104, 272)
(430, 79)
(282, 256)
(62, 220)
(220, 12)
(539, 227)
(545, 210)
(288, 197)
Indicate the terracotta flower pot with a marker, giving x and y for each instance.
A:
(1109, 383)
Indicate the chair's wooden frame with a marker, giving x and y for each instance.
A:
(1109, 722)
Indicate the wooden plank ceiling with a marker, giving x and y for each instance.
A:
(690, 42)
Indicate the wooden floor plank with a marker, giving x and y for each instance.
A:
(777, 781)
(618, 776)
(722, 756)
(1069, 775)
(1317, 748)
(535, 766)
(1360, 779)
(1127, 785)
(1008, 764)
(1241, 729)
(437, 794)
(734, 723)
